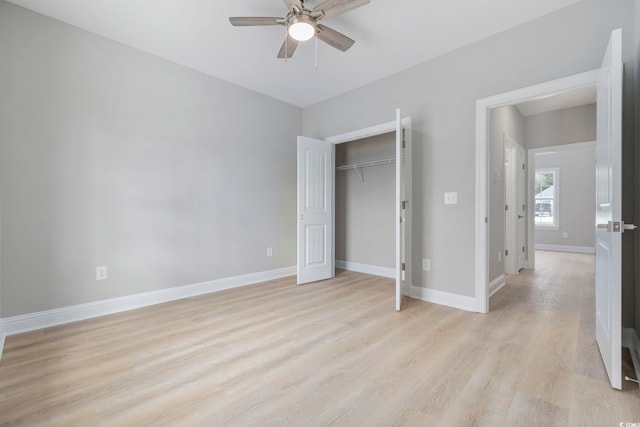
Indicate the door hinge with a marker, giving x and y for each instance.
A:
(506, 253)
(404, 266)
(523, 249)
(486, 220)
(404, 204)
(404, 142)
(523, 166)
(506, 207)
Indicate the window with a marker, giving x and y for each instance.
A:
(546, 198)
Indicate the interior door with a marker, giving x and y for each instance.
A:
(515, 189)
(316, 166)
(403, 211)
(609, 210)
(521, 174)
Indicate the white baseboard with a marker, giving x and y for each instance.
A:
(631, 341)
(44, 319)
(367, 269)
(565, 248)
(429, 295)
(496, 284)
(444, 298)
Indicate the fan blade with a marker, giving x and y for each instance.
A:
(243, 21)
(334, 38)
(288, 48)
(331, 8)
(291, 3)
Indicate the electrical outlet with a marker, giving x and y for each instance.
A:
(451, 198)
(565, 235)
(426, 264)
(101, 272)
(269, 251)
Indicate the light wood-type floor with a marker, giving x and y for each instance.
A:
(330, 353)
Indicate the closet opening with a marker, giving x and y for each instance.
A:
(317, 232)
(365, 211)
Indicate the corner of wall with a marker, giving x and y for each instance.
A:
(2, 337)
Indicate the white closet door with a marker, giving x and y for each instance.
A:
(403, 211)
(316, 173)
(609, 210)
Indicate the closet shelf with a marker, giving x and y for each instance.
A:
(366, 164)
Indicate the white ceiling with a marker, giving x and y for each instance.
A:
(390, 36)
(568, 99)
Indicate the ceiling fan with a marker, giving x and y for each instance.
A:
(302, 24)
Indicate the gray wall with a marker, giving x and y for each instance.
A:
(504, 120)
(441, 94)
(577, 196)
(365, 211)
(567, 126)
(110, 156)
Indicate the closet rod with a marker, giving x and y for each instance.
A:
(366, 164)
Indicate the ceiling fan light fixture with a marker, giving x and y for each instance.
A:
(301, 31)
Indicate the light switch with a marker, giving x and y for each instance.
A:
(451, 198)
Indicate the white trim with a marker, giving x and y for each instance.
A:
(631, 341)
(44, 319)
(483, 106)
(496, 284)
(380, 129)
(389, 272)
(482, 207)
(460, 302)
(565, 248)
(564, 147)
(364, 133)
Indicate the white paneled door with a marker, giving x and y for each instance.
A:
(609, 210)
(316, 165)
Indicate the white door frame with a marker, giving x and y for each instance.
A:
(483, 107)
(375, 130)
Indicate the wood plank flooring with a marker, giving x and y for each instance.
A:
(330, 353)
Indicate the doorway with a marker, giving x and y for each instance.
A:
(485, 175)
(316, 202)
(609, 225)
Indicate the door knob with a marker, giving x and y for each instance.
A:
(617, 226)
